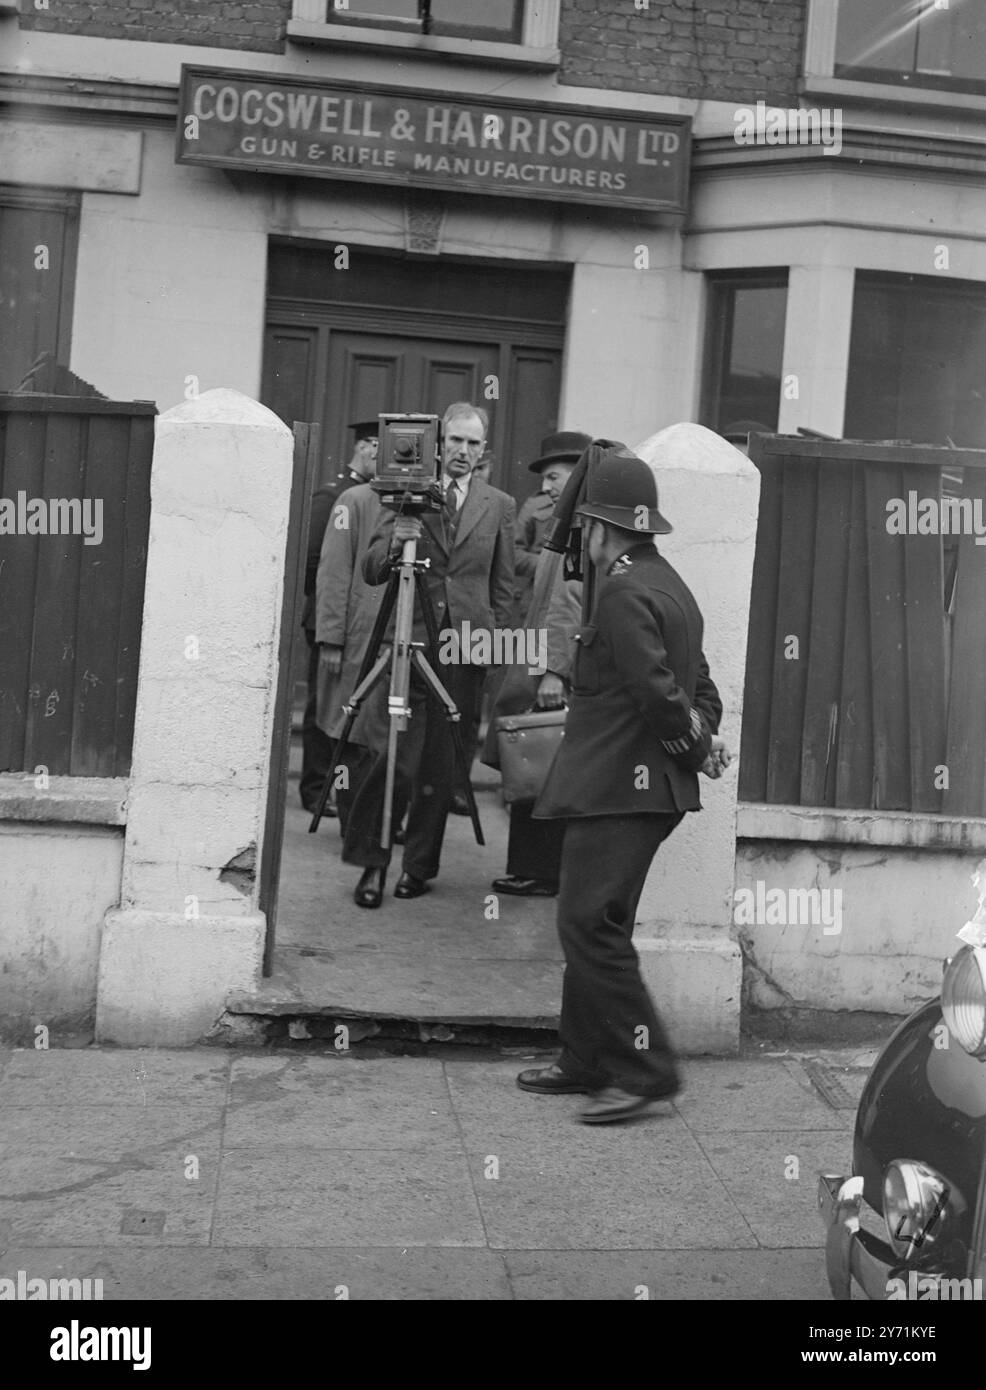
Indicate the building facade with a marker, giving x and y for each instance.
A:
(605, 215)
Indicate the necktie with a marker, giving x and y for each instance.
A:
(450, 520)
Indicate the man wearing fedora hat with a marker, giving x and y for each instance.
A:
(643, 721)
(559, 454)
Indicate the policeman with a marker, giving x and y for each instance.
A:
(643, 721)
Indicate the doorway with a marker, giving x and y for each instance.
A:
(398, 333)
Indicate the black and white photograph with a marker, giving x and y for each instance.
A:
(493, 665)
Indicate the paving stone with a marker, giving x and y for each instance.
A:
(339, 1103)
(701, 1275)
(111, 1076)
(782, 1211)
(231, 1272)
(737, 1095)
(300, 1197)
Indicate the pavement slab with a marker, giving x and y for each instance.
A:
(252, 1272)
(107, 1076)
(773, 1177)
(701, 1275)
(740, 1094)
(294, 1197)
(340, 1103)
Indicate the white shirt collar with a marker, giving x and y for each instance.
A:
(462, 483)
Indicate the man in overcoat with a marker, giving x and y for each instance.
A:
(643, 721)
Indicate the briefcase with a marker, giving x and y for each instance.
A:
(527, 744)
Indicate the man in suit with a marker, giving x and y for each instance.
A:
(469, 545)
(316, 743)
(643, 721)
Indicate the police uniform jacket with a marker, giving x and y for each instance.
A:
(643, 707)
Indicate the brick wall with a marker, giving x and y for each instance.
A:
(251, 24)
(726, 50)
(738, 50)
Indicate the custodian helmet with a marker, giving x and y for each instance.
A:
(622, 489)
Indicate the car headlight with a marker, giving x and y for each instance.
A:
(914, 1200)
(963, 999)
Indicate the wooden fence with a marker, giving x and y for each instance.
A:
(70, 606)
(866, 662)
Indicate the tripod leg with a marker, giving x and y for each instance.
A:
(431, 628)
(373, 665)
(452, 713)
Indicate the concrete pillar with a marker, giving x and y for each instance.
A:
(817, 328)
(188, 928)
(710, 493)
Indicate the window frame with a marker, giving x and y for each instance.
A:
(537, 47)
(447, 30)
(819, 76)
(717, 331)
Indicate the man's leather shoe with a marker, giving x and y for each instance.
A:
(525, 887)
(369, 890)
(459, 806)
(311, 805)
(612, 1104)
(407, 886)
(550, 1081)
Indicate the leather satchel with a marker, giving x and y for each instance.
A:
(527, 744)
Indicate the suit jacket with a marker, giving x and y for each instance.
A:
(346, 606)
(639, 673)
(471, 581)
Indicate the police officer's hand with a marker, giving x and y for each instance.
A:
(551, 692)
(718, 760)
(406, 528)
(331, 659)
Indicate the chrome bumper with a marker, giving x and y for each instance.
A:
(849, 1252)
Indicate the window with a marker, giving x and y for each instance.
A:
(38, 234)
(915, 361)
(744, 352)
(497, 20)
(512, 33)
(921, 43)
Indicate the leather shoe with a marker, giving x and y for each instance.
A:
(525, 887)
(550, 1081)
(407, 886)
(311, 805)
(459, 806)
(611, 1105)
(369, 890)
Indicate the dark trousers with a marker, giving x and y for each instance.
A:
(610, 1031)
(534, 846)
(316, 746)
(425, 775)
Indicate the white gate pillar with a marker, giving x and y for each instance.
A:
(188, 928)
(710, 493)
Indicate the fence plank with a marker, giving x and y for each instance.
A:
(21, 462)
(854, 758)
(790, 673)
(824, 656)
(891, 725)
(48, 731)
(761, 642)
(101, 594)
(966, 755)
(135, 532)
(924, 623)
